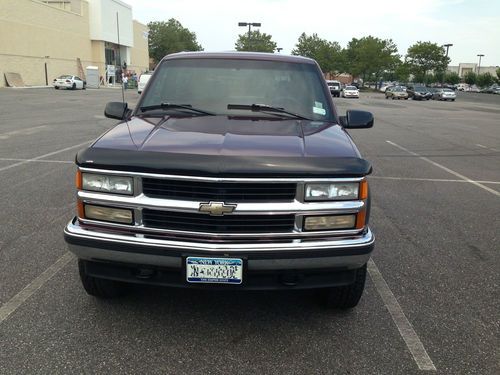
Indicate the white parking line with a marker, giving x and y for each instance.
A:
(27, 131)
(405, 328)
(488, 148)
(462, 177)
(39, 161)
(15, 302)
(44, 156)
(428, 179)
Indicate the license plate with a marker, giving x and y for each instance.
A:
(214, 270)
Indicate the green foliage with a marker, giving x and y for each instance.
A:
(170, 37)
(430, 78)
(328, 54)
(259, 42)
(439, 76)
(470, 78)
(452, 78)
(402, 72)
(425, 56)
(418, 77)
(498, 74)
(369, 57)
(484, 79)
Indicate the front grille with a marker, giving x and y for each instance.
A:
(195, 222)
(219, 191)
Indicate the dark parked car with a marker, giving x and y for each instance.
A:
(419, 92)
(234, 171)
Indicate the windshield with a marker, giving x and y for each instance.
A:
(447, 90)
(212, 84)
(351, 88)
(65, 77)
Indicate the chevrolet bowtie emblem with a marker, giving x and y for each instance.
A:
(216, 208)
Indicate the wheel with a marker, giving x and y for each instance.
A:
(406, 98)
(347, 296)
(393, 98)
(56, 87)
(84, 87)
(386, 97)
(452, 100)
(74, 86)
(100, 288)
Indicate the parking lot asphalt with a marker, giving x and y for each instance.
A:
(431, 304)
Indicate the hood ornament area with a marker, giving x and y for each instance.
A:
(216, 208)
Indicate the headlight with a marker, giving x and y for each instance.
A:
(107, 184)
(332, 192)
(115, 215)
(329, 222)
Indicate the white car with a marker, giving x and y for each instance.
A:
(69, 82)
(350, 92)
(444, 94)
(143, 80)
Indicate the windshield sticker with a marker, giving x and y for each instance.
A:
(319, 111)
(318, 104)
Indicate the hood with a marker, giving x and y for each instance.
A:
(226, 145)
(221, 135)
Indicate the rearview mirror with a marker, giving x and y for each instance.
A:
(117, 110)
(357, 120)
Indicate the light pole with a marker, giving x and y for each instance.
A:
(448, 45)
(46, 75)
(278, 49)
(479, 66)
(249, 24)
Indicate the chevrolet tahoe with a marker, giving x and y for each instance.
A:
(234, 171)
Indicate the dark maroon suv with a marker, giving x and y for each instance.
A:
(234, 171)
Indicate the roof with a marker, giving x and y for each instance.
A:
(240, 55)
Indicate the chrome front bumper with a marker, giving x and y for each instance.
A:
(345, 252)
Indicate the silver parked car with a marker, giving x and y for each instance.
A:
(396, 92)
(444, 94)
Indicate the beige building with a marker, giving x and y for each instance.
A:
(66, 36)
(463, 68)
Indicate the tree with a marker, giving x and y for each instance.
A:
(452, 78)
(498, 74)
(328, 54)
(426, 56)
(402, 72)
(438, 76)
(484, 79)
(368, 57)
(170, 37)
(430, 78)
(470, 78)
(258, 42)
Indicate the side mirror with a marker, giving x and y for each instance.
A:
(357, 120)
(117, 110)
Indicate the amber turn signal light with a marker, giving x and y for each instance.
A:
(363, 189)
(78, 179)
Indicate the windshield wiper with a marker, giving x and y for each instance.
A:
(265, 108)
(187, 107)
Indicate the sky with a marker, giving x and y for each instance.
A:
(473, 27)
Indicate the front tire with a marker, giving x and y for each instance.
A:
(347, 296)
(73, 87)
(100, 288)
